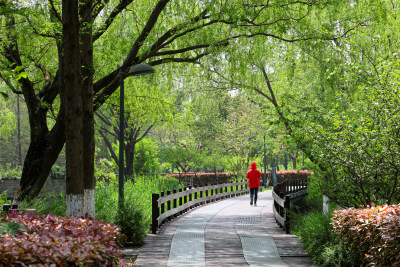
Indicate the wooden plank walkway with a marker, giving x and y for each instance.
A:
(223, 244)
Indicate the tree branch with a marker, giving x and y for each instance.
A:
(101, 116)
(36, 31)
(109, 147)
(160, 42)
(53, 8)
(145, 133)
(145, 32)
(177, 60)
(116, 11)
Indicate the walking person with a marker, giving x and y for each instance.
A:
(254, 182)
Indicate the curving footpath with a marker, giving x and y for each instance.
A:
(225, 233)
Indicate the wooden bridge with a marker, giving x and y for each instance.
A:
(228, 232)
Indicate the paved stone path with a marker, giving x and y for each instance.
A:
(224, 233)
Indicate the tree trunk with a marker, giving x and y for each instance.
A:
(43, 151)
(293, 157)
(86, 54)
(71, 96)
(130, 156)
(285, 162)
(19, 150)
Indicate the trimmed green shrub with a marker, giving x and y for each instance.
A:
(133, 222)
(374, 232)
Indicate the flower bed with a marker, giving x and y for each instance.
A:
(57, 241)
(202, 178)
(283, 176)
(373, 231)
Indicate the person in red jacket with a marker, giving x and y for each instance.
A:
(254, 182)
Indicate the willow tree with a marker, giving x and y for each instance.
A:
(36, 38)
(336, 96)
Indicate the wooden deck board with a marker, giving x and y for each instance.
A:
(222, 244)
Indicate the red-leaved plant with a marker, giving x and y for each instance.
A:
(48, 240)
(375, 231)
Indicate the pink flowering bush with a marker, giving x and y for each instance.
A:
(283, 176)
(374, 231)
(48, 240)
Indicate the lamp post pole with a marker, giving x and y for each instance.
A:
(139, 69)
(265, 166)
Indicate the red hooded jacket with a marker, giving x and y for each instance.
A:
(253, 175)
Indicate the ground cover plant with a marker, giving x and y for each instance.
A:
(314, 228)
(27, 239)
(134, 224)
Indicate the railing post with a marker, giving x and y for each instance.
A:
(155, 213)
(287, 215)
(174, 202)
(190, 197)
(180, 200)
(201, 195)
(195, 197)
(163, 204)
(185, 200)
(169, 201)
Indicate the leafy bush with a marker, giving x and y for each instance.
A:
(10, 174)
(47, 204)
(146, 160)
(138, 192)
(315, 232)
(64, 241)
(57, 172)
(134, 225)
(314, 229)
(373, 231)
(4, 199)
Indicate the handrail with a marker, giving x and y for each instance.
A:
(166, 206)
(284, 194)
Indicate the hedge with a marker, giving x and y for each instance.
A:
(372, 232)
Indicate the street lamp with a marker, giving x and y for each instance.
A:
(265, 166)
(139, 69)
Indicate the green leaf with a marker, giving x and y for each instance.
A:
(24, 75)
(12, 228)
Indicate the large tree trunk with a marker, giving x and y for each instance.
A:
(42, 153)
(19, 146)
(72, 98)
(87, 106)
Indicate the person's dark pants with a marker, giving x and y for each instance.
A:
(254, 193)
